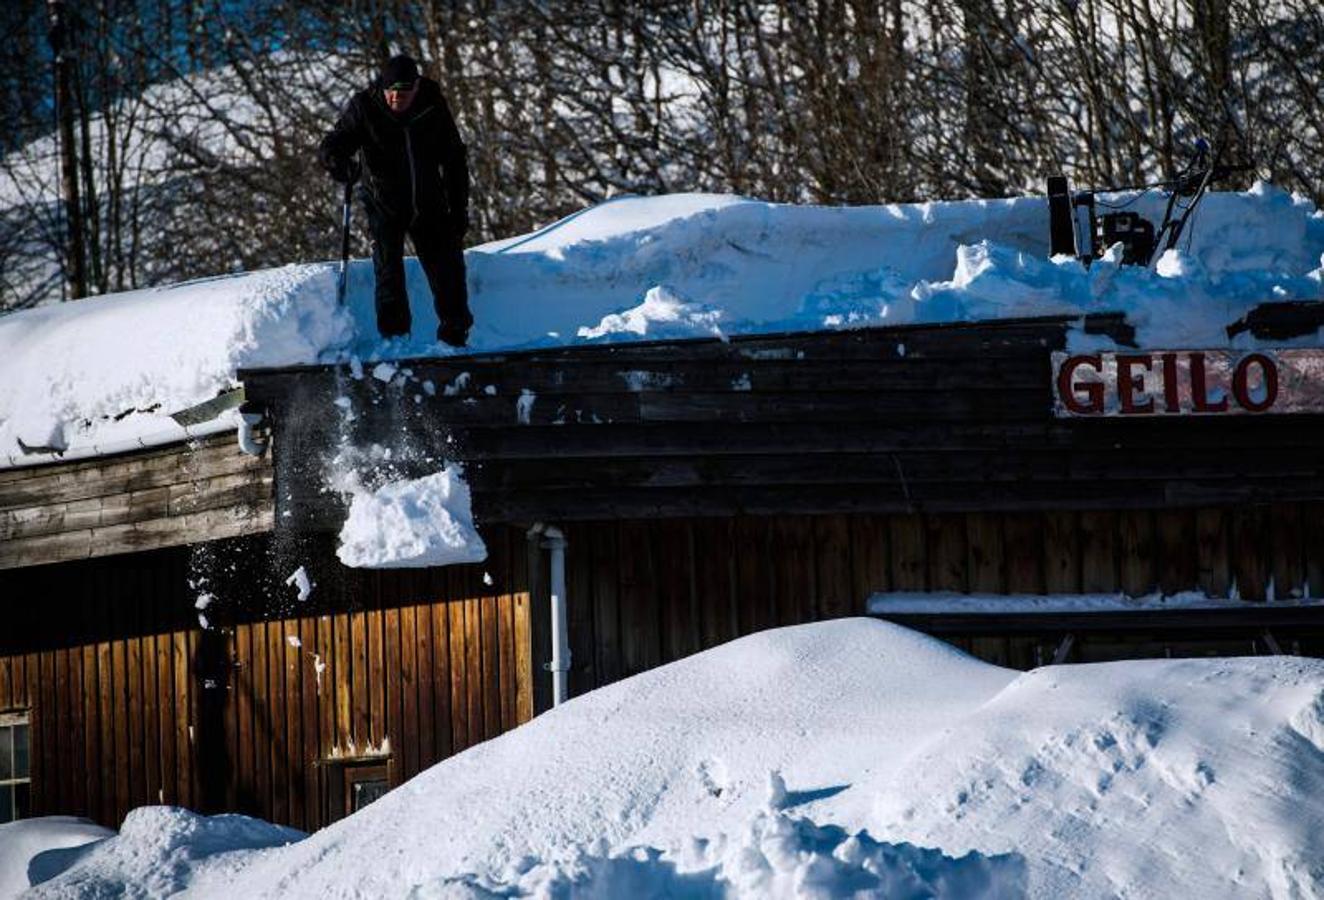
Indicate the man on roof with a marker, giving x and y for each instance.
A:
(416, 181)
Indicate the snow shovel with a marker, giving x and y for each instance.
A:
(344, 241)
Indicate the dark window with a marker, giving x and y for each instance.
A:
(15, 773)
(349, 784)
(367, 791)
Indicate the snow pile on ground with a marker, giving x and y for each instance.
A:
(157, 851)
(844, 755)
(1195, 778)
(776, 856)
(81, 376)
(410, 524)
(34, 850)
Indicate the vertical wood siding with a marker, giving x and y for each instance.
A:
(133, 704)
(643, 593)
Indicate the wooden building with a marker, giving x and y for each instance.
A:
(706, 489)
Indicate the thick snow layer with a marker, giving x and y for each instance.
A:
(851, 755)
(112, 368)
(35, 850)
(411, 524)
(82, 377)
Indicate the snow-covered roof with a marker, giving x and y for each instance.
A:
(106, 373)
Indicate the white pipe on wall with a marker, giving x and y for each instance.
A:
(248, 422)
(554, 541)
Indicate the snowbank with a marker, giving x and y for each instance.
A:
(811, 761)
(35, 850)
(81, 376)
(157, 852)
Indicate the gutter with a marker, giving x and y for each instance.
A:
(125, 445)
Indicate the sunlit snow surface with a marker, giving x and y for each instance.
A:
(89, 375)
(411, 523)
(816, 761)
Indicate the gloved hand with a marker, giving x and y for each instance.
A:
(343, 170)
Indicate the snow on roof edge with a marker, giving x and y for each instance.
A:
(219, 425)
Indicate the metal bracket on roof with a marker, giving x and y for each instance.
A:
(210, 409)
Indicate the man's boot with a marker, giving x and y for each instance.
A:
(393, 320)
(455, 332)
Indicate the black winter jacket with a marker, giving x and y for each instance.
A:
(414, 164)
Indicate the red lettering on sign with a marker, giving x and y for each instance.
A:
(1171, 394)
(1268, 377)
(1066, 388)
(1200, 388)
(1128, 385)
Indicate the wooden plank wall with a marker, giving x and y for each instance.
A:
(183, 493)
(930, 418)
(643, 593)
(104, 662)
(132, 703)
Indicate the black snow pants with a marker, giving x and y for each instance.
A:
(441, 255)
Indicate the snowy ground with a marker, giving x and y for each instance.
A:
(820, 760)
(105, 373)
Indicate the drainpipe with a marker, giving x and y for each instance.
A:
(554, 540)
(250, 417)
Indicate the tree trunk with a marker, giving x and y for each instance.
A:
(75, 242)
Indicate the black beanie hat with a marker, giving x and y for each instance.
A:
(399, 69)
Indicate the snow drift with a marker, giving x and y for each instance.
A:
(84, 377)
(845, 756)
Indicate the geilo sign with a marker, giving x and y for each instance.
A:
(1188, 383)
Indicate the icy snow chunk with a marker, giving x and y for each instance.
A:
(384, 371)
(638, 380)
(412, 524)
(524, 405)
(663, 313)
(300, 580)
(776, 797)
(461, 383)
(204, 600)
(293, 640)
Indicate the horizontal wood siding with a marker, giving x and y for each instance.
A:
(918, 419)
(181, 494)
(132, 703)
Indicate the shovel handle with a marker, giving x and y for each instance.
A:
(344, 245)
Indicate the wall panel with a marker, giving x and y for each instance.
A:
(133, 704)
